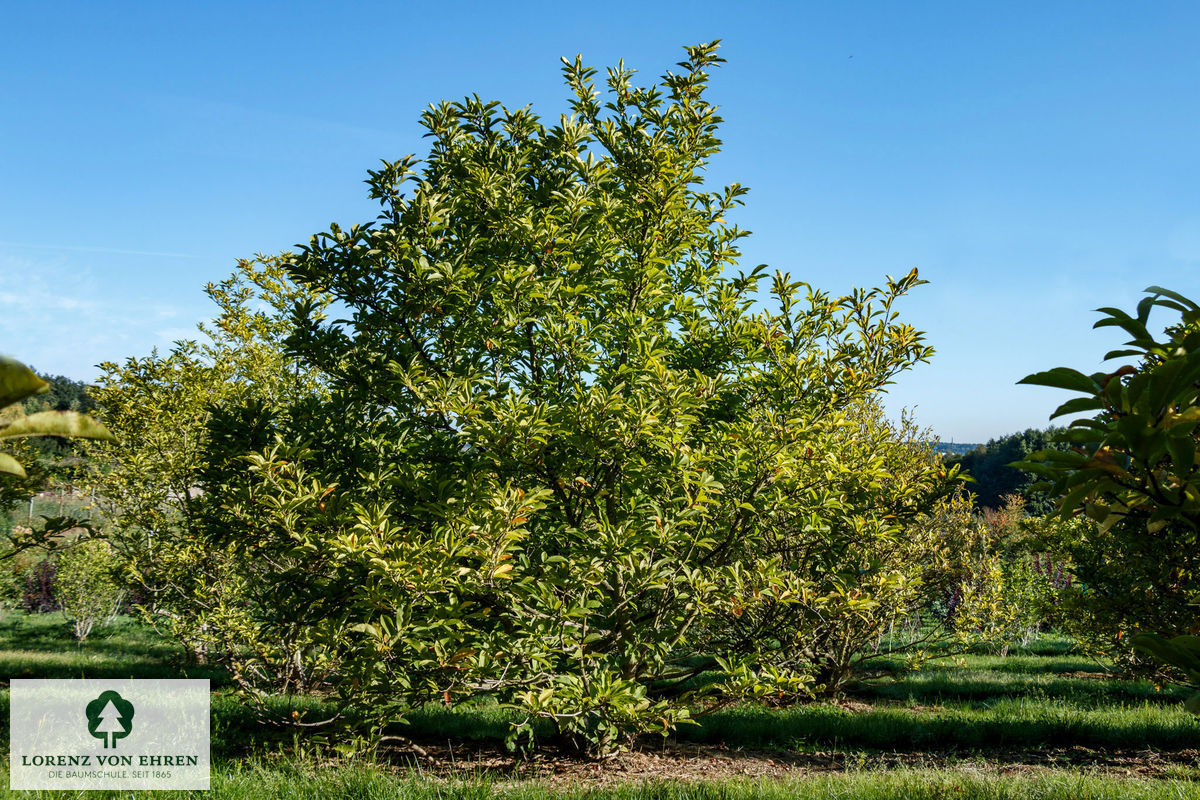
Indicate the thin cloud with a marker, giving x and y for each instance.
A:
(92, 249)
(45, 300)
(69, 334)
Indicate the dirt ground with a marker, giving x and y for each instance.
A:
(692, 762)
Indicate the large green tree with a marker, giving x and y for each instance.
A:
(570, 453)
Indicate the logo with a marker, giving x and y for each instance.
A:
(118, 734)
(110, 717)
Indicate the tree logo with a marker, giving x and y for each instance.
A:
(110, 717)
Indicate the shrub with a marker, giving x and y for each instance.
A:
(564, 459)
(189, 581)
(39, 596)
(85, 586)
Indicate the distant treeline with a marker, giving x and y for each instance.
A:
(65, 395)
(993, 478)
(956, 448)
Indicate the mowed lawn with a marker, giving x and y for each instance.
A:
(1043, 722)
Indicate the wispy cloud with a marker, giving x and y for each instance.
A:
(95, 249)
(45, 302)
(64, 320)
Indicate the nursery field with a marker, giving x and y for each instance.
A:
(524, 487)
(1039, 722)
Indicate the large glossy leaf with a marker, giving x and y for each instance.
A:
(1187, 303)
(57, 423)
(11, 466)
(18, 381)
(1062, 378)
(1078, 404)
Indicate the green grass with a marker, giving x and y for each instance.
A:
(42, 646)
(1015, 722)
(256, 782)
(958, 710)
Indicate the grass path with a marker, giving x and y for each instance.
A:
(1040, 723)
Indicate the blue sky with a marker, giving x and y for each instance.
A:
(1033, 160)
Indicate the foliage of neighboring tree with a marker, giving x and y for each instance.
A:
(86, 587)
(1133, 469)
(887, 552)
(564, 459)
(1034, 565)
(152, 488)
(18, 384)
(16, 490)
(990, 465)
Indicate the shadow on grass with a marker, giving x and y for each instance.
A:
(42, 646)
(1026, 700)
(1082, 688)
(1002, 724)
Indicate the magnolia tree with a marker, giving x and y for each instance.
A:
(555, 448)
(570, 456)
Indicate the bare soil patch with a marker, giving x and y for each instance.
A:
(705, 762)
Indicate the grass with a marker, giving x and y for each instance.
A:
(962, 711)
(255, 782)
(42, 646)
(1014, 722)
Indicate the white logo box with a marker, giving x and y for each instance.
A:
(109, 734)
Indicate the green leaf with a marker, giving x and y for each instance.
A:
(57, 423)
(1062, 378)
(1174, 296)
(18, 381)
(1077, 404)
(11, 466)
(1122, 353)
(1183, 455)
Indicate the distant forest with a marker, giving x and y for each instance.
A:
(988, 464)
(65, 395)
(956, 448)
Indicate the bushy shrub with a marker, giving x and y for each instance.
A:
(1034, 565)
(86, 587)
(564, 459)
(555, 450)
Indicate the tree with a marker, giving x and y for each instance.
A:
(561, 447)
(86, 587)
(199, 586)
(990, 466)
(1133, 469)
